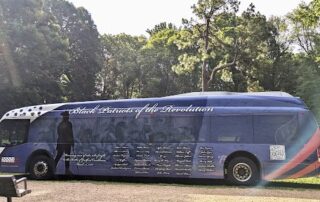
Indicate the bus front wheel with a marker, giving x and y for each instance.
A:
(242, 171)
(41, 168)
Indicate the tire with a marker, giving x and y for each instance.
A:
(41, 168)
(242, 171)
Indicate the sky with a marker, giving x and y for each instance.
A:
(134, 17)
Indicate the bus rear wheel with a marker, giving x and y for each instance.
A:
(242, 171)
(41, 168)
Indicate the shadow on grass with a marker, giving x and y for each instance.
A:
(213, 183)
(292, 185)
(144, 180)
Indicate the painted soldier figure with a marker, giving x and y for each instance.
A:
(65, 141)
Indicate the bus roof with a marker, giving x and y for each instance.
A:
(226, 93)
(212, 99)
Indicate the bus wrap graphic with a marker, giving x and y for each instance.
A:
(240, 137)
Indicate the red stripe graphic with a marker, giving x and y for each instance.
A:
(307, 150)
(306, 170)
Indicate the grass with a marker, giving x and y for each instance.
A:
(308, 180)
(12, 173)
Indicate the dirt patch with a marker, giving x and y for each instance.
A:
(126, 191)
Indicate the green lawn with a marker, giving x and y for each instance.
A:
(308, 180)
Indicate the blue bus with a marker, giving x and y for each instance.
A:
(240, 137)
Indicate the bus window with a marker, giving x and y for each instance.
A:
(175, 129)
(13, 132)
(231, 128)
(137, 129)
(122, 129)
(106, 130)
(186, 129)
(83, 130)
(161, 130)
(44, 130)
(275, 129)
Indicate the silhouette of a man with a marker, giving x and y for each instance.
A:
(65, 141)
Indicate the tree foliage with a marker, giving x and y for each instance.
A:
(33, 53)
(122, 73)
(84, 48)
(305, 22)
(51, 51)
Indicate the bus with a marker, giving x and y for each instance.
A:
(240, 137)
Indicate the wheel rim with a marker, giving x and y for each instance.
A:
(40, 169)
(242, 172)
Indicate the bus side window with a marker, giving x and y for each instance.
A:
(123, 129)
(120, 131)
(205, 134)
(231, 128)
(184, 129)
(43, 130)
(174, 129)
(286, 133)
(275, 129)
(13, 132)
(84, 130)
(106, 130)
(160, 130)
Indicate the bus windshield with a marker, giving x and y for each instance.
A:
(13, 132)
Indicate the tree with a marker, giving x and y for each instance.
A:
(50, 52)
(158, 58)
(278, 70)
(215, 16)
(305, 23)
(231, 49)
(34, 54)
(122, 74)
(160, 27)
(85, 50)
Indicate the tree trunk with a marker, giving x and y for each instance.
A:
(205, 77)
